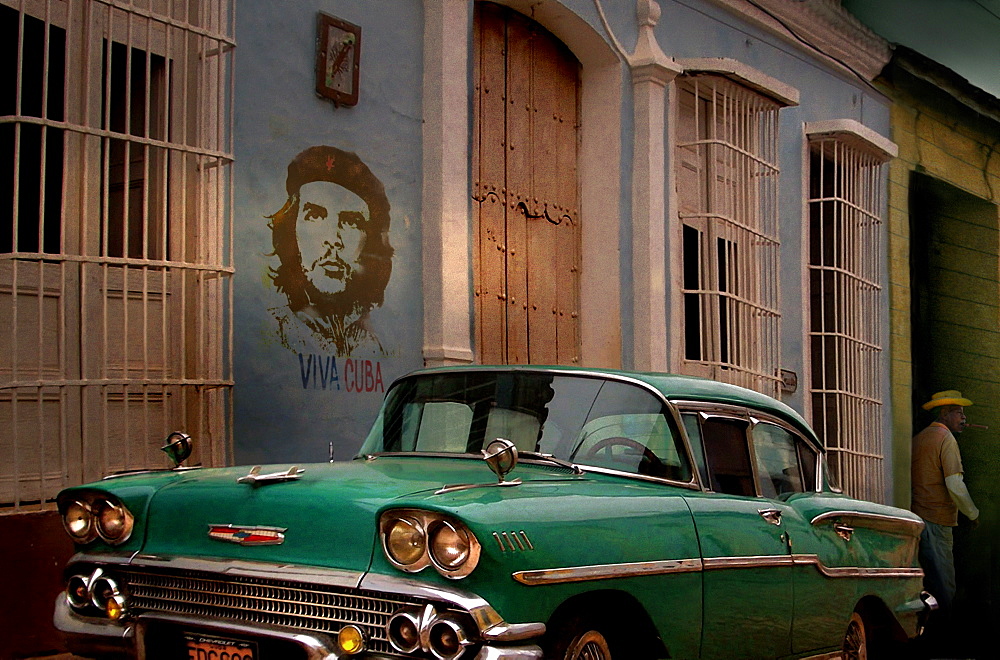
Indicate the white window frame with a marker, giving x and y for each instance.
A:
(845, 208)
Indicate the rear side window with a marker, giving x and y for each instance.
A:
(778, 472)
(726, 454)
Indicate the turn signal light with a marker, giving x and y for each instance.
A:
(351, 640)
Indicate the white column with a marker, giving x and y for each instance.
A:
(651, 70)
(445, 214)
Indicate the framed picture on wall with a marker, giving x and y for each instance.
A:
(338, 59)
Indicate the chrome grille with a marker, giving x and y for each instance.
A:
(288, 604)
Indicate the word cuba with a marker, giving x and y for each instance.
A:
(321, 372)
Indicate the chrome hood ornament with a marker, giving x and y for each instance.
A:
(254, 477)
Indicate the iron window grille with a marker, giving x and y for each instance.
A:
(727, 179)
(845, 325)
(115, 237)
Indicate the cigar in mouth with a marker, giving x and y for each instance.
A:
(977, 426)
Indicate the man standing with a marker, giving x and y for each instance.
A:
(939, 492)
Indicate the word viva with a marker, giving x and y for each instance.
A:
(321, 372)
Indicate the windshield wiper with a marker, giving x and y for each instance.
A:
(551, 459)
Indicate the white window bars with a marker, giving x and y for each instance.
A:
(727, 179)
(845, 326)
(115, 237)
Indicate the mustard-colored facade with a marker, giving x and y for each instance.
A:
(944, 256)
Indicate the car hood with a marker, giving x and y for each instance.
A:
(328, 515)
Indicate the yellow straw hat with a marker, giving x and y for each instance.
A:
(946, 398)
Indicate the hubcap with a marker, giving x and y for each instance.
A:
(589, 646)
(855, 644)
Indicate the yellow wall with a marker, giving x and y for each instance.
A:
(957, 251)
(932, 140)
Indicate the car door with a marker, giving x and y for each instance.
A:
(744, 540)
(786, 466)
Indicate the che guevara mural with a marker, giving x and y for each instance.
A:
(333, 256)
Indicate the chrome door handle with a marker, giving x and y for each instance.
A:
(772, 516)
(844, 531)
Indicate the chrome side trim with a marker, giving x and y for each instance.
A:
(317, 646)
(762, 561)
(877, 521)
(858, 571)
(607, 571)
(669, 566)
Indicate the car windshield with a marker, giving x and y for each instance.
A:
(589, 421)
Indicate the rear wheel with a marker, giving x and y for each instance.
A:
(856, 639)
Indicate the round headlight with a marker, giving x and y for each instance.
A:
(449, 545)
(77, 592)
(79, 522)
(403, 630)
(405, 542)
(112, 520)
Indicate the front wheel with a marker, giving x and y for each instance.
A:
(856, 639)
(588, 645)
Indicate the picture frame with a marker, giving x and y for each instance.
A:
(338, 60)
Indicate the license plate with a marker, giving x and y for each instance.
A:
(209, 647)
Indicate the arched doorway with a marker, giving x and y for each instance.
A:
(526, 236)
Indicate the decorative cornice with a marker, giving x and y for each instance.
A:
(855, 133)
(823, 27)
(783, 93)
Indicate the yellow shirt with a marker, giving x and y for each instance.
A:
(935, 456)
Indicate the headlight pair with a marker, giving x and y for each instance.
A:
(88, 516)
(413, 539)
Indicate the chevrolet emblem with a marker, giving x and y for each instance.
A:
(247, 534)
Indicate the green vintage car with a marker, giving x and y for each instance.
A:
(504, 513)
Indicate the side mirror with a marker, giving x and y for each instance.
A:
(178, 447)
(501, 456)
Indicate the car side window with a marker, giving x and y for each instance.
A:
(727, 455)
(808, 460)
(778, 472)
(693, 428)
(629, 429)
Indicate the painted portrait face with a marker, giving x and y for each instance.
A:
(329, 234)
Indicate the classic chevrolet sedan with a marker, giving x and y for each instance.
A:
(504, 513)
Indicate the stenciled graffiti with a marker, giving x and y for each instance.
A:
(334, 260)
(321, 372)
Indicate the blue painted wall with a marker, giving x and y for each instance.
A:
(290, 404)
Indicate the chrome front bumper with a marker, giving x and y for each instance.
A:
(94, 637)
